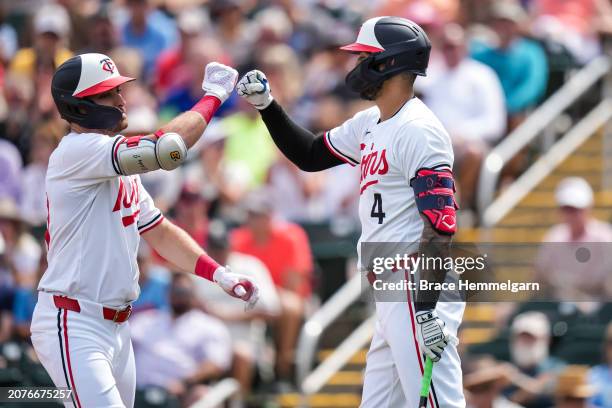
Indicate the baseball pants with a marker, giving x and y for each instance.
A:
(394, 363)
(82, 351)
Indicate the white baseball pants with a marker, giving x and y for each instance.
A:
(84, 352)
(394, 363)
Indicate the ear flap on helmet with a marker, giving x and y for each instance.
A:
(86, 113)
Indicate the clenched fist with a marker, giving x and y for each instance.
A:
(254, 87)
(236, 285)
(219, 80)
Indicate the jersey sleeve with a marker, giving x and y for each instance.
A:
(421, 146)
(91, 158)
(150, 216)
(343, 141)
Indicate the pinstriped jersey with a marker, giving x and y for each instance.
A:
(95, 218)
(389, 154)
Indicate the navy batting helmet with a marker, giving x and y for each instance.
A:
(82, 76)
(396, 45)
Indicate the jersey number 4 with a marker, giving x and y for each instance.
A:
(377, 208)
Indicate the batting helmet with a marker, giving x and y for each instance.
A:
(82, 76)
(396, 45)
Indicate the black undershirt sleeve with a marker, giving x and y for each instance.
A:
(301, 146)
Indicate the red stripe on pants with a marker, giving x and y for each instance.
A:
(68, 358)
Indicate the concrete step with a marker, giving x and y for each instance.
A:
(478, 313)
(475, 335)
(593, 144)
(551, 182)
(321, 400)
(358, 359)
(540, 217)
(347, 378)
(589, 162)
(515, 235)
(545, 199)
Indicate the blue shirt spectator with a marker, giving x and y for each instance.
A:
(601, 375)
(153, 294)
(182, 99)
(521, 68)
(23, 305)
(601, 378)
(520, 63)
(150, 32)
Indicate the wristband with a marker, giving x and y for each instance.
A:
(207, 106)
(205, 267)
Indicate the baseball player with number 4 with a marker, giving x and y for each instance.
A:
(97, 212)
(407, 195)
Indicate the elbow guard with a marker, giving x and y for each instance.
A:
(434, 192)
(140, 154)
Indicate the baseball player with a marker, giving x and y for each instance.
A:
(97, 212)
(406, 195)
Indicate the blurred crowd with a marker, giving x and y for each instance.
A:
(493, 62)
(555, 350)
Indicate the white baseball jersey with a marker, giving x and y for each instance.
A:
(95, 217)
(389, 154)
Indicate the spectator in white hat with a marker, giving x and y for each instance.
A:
(51, 27)
(530, 352)
(38, 63)
(574, 258)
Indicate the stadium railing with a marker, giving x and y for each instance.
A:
(538, 125)
(310, 381)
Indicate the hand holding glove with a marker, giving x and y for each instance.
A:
(219, 80)
(238, 286)
(254, 87)
(432, 334)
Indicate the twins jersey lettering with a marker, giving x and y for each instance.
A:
(95, 217)
(390, 153)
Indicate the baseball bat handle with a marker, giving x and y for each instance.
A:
(425, 382)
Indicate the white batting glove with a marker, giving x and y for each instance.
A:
(219, 80)
(432, 334)
(254, 87)
(238, 286)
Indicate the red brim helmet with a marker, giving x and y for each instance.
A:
(395, 45)
(83, 76)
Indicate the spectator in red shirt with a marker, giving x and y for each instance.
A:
(283, 247)
(191, 214)
(171, 66)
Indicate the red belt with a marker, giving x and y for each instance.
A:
(116, 315)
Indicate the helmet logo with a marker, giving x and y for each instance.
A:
(175, 155)
(108, 65)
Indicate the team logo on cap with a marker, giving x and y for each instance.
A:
(108, 65)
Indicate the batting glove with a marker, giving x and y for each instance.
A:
(254, 87)
(432, 334)
(219, 80)
(238, 286)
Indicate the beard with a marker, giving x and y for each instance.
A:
(529, 357)
(371, 92)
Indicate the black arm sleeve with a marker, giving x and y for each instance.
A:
(301, 146)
